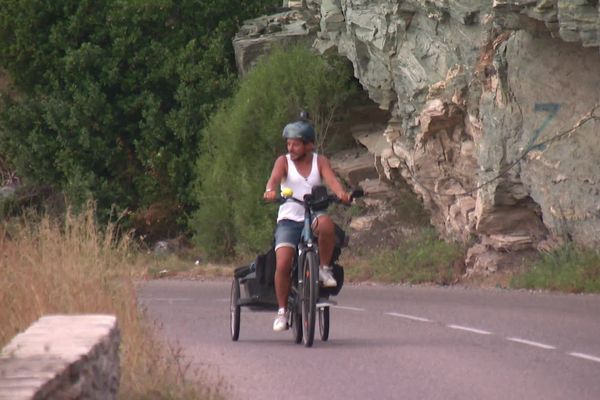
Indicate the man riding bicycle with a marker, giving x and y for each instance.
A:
(300, 169)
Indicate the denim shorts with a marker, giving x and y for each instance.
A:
(288, 232)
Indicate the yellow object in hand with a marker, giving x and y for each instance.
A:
(287, 192)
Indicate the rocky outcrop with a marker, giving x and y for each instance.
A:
(257, 36)
(494, 113)
(571, 20)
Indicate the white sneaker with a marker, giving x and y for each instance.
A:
(280, 324)
(326, 277)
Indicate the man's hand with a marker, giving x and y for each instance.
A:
(344, 197)
(270, 195)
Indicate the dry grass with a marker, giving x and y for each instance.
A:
(72, 266)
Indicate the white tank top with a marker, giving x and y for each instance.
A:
(301, 186)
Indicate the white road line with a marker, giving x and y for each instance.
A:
(166, 299)
(469, 329)
(406, 316)
(349, 308)
(585, 356)
(531, 343)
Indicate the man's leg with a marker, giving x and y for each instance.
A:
(284, 258)
(287, 235)
(324, 228)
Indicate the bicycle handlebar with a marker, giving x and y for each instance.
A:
(355, 194)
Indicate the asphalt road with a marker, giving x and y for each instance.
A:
(393, 342)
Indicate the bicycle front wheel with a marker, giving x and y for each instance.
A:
(310, 294)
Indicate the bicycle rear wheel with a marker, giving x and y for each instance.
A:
(235, 310)
(310, 294)
(296, 318)
(324, 323)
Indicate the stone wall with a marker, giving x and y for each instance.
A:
(63, 357)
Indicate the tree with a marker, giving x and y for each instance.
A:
(242, 140)
(113, 95)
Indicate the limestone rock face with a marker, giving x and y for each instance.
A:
(494, 113)
(571, 20)
(480, 94)
(257, 36)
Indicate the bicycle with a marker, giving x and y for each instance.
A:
(306, 298)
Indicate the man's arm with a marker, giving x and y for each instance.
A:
(277, 174)
(331, 180)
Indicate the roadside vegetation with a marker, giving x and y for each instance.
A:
(568, 269)
(138, 106)
(74, 266)
(423, 259)
(185, 264)
(108, 99)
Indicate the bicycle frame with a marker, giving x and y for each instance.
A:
(305, 291)
(307, 237)
(303, 330)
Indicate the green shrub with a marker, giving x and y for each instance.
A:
(426, 258)
(243, 139)
(568, 269)
(112, 95)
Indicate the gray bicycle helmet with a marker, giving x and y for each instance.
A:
(300, 129)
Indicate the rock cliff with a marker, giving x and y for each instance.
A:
(494, 113)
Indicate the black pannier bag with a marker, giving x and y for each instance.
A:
(338, 274)
(320, 198)
(341, 241)
(258, 280)
(242, 271)
(265, 268)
